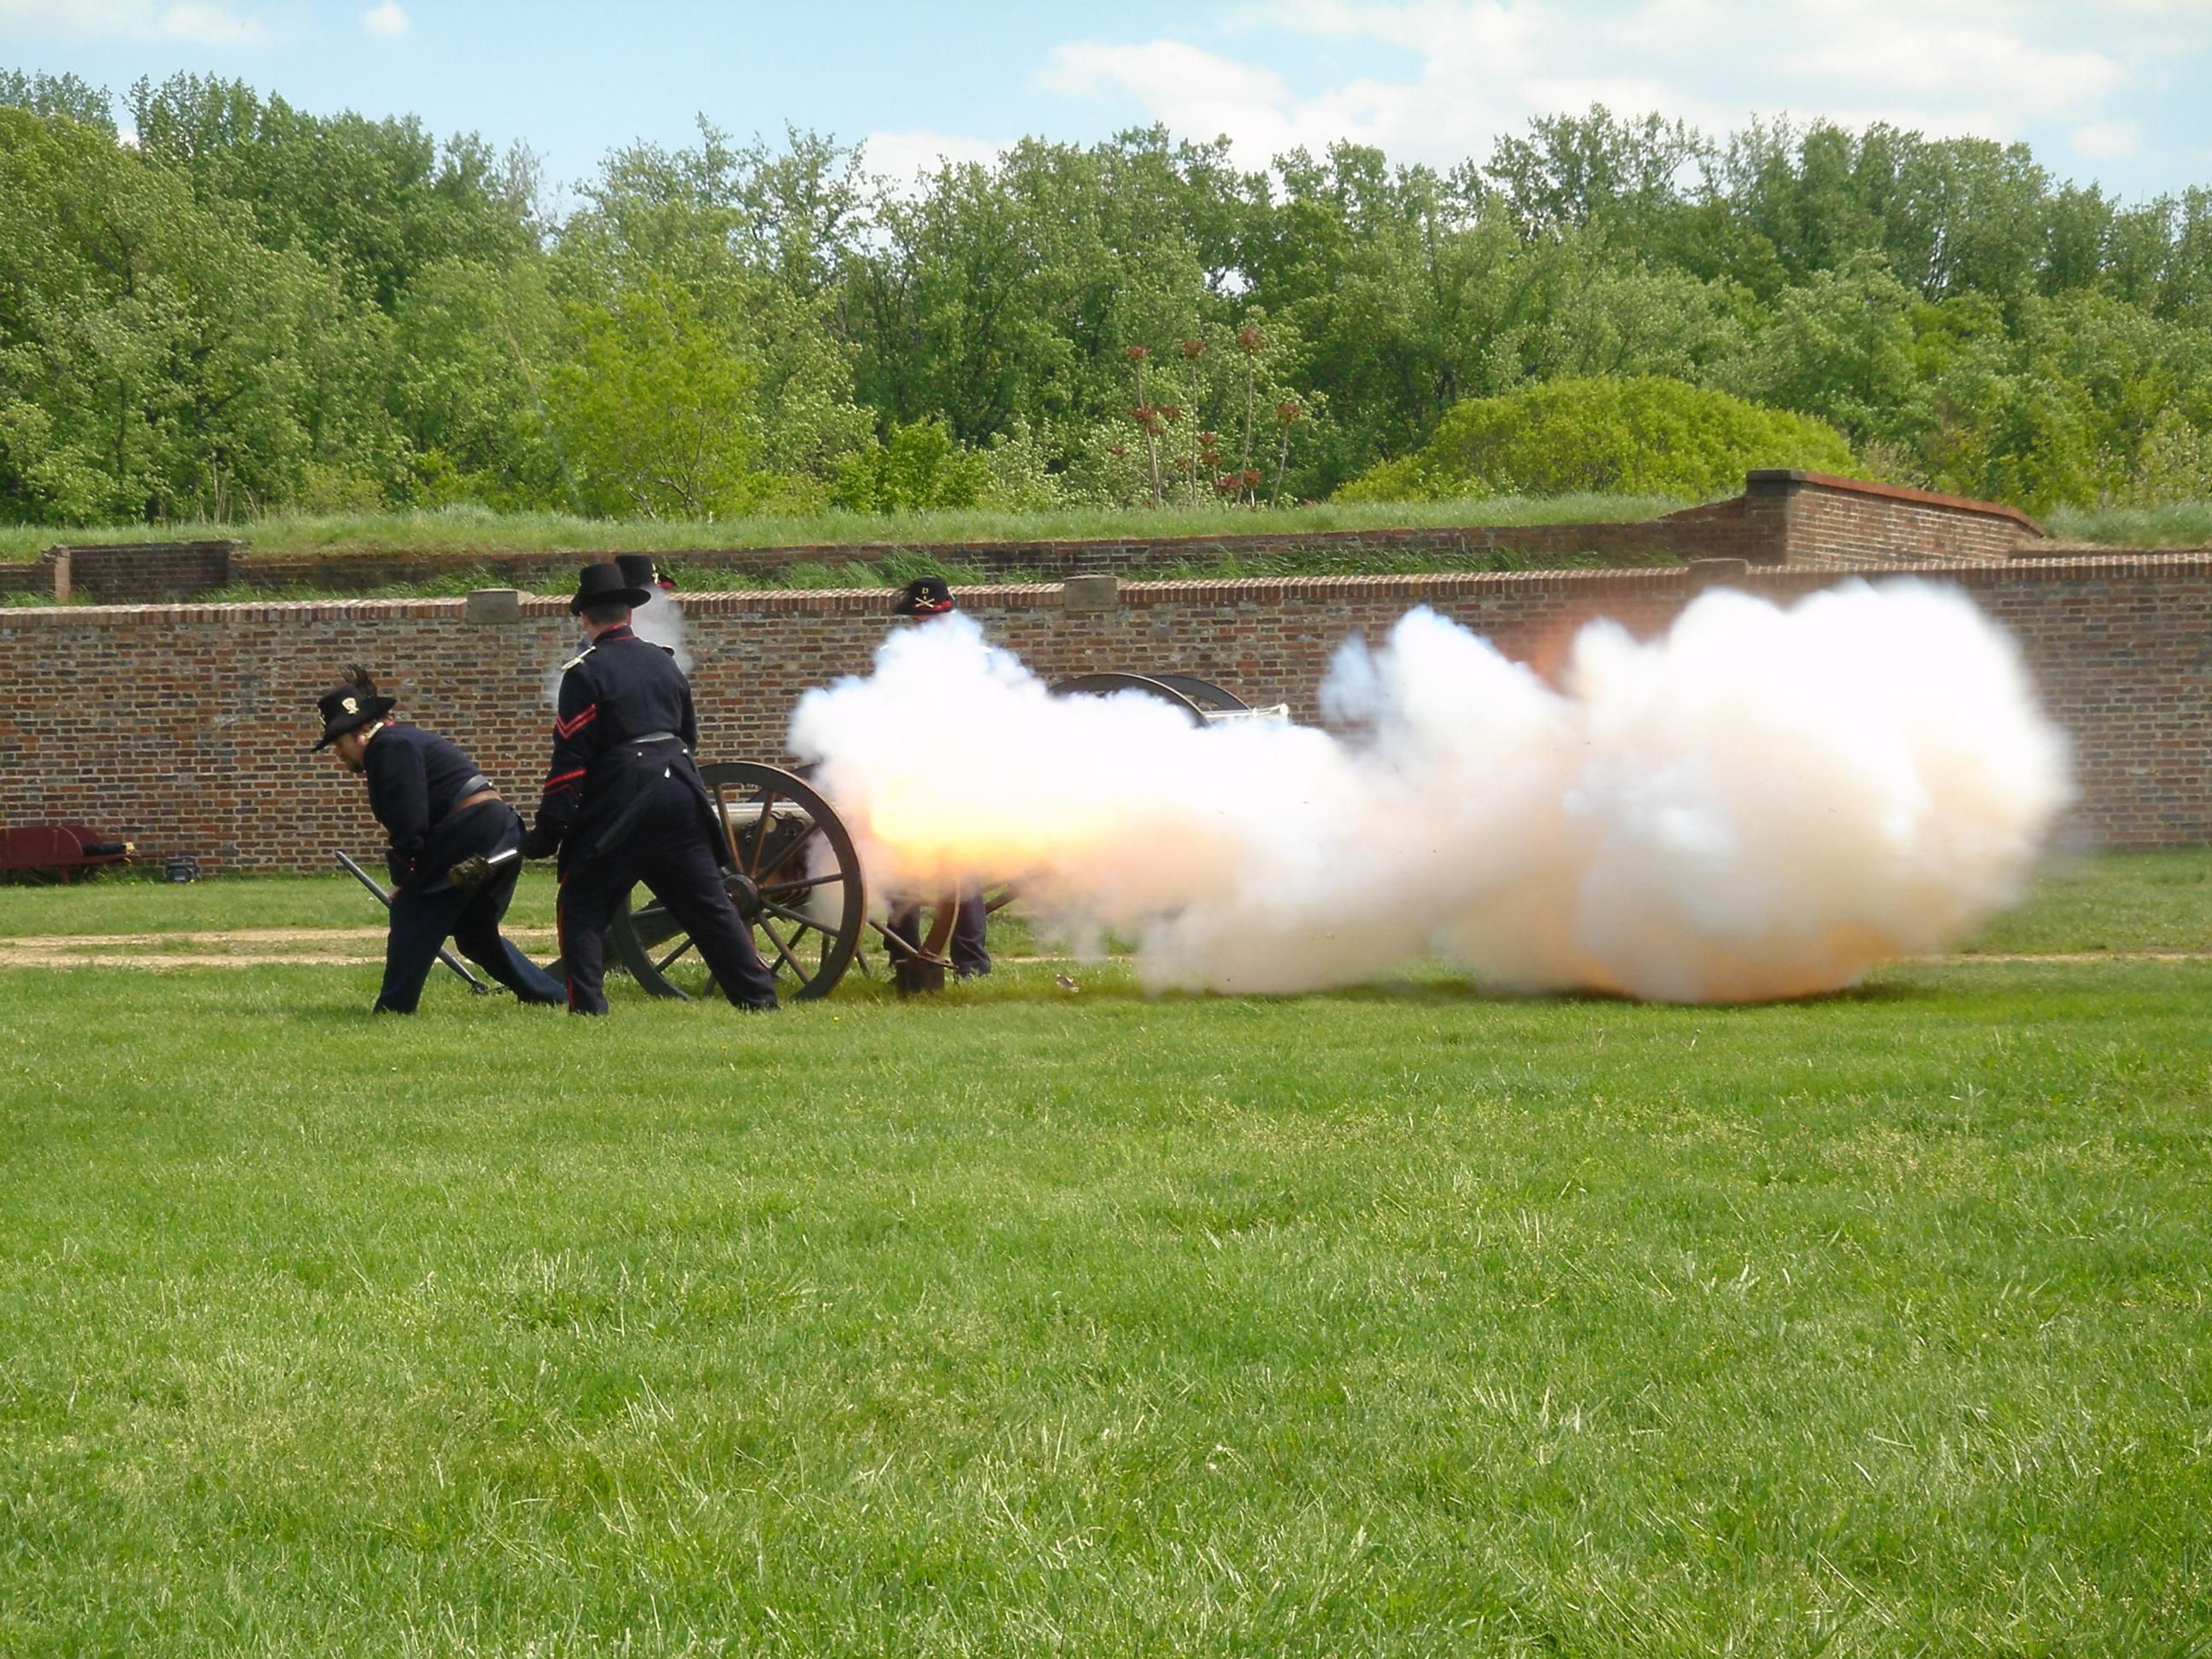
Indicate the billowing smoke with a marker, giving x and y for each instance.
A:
(659, 621)
(1762, 802)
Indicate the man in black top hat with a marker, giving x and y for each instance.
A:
(624, 803)
(456, 846)
(641, 573)
(922, 597)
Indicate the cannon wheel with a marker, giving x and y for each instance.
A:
(1209, 698)
(796, 880)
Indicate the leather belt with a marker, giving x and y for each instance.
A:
(653, 737)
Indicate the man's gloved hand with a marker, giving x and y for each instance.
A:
(468, 874)
(540, 842)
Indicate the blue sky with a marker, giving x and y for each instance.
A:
(2120, 92)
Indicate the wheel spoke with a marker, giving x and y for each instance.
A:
(790, 914)
(783, 951)
(761, 831)
(661, 966)
(721, 801)
(784, 857)
(801, 885)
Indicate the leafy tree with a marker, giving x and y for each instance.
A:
(58, 94)
(259, 307)
(471, 347)
(155, 360)
(653, 405)
(377, 202)
(1841, 347)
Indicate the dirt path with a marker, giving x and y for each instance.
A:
(243, 947)
(361, 947)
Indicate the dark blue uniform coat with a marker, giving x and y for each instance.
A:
(417, 781)
(624, 804)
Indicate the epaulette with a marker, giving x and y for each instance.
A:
(578, 657)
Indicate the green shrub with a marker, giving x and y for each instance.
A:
(1646, 436)
(921, 467)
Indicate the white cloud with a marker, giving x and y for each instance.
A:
(388, 21)
(2106, 140)
(1481, 67)
(1196, 92)
(201, 23)
(899, 157)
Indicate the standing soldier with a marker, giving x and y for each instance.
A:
(624, 803)
(921, 598)
(455, 846)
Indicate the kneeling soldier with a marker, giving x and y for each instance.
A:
(455, 846)
(624, 804)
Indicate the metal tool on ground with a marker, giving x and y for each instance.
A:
(481, 988)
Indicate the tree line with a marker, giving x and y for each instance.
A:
(228, 305)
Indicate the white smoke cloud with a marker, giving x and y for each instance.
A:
(1762, 802)
(659, 621)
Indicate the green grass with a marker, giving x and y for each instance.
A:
(1400, 1321)
(2180, 524)
(2132, 901)
(475, 530)
(2079, 901)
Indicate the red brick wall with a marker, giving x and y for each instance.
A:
(186, 728)
(1845, 523)
(142, 573)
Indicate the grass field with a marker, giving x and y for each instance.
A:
(1407, 1320)
(464, 530)
(476, 530)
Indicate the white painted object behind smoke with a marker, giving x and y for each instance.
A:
(1761, 802)
(659, 620)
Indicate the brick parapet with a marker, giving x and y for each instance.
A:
(1850, 524)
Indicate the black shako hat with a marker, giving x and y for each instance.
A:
(639, 570)
(925, 596)
(348, 705)
(605, 584)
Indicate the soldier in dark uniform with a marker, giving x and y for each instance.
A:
(925, 596)
(623, 803)
(455, 846)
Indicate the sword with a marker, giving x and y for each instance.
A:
(445, 953)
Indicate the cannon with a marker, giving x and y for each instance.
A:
(1204, 702)
(58, 852)
(795, 878)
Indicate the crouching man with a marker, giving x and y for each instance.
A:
(624, 804)
(456, 846)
